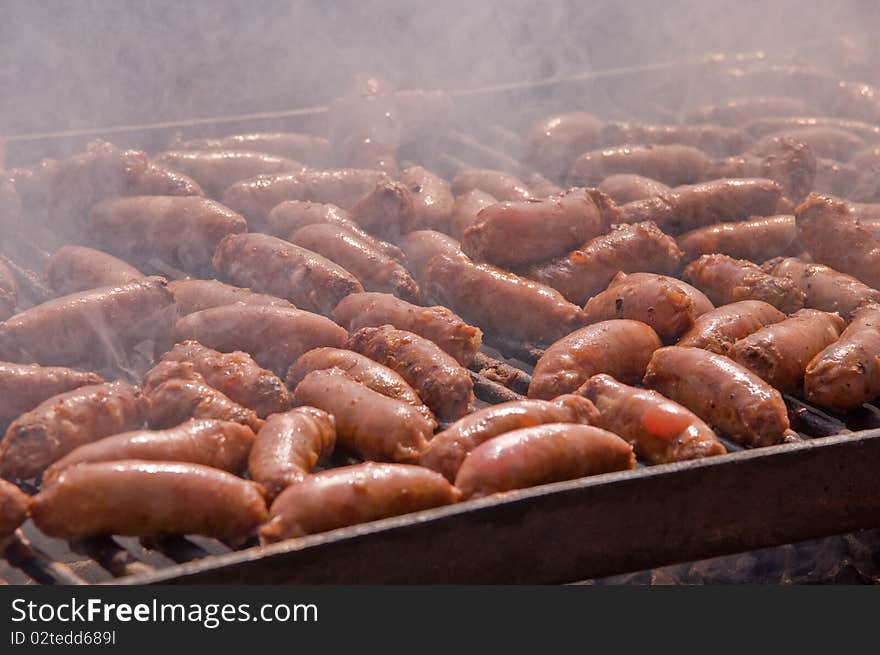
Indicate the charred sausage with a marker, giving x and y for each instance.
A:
(195, 295)
(313, 150)
(76, 268)
(431, 196)
(670, 164)
(626, 187)
(465, 210)
(216, 170)
(756, 239)
(718, 329)
(496, 183)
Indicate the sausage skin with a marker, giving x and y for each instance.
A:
(216, 170)
(387, 211)
(756, 239)
(193, 296)
(181, 398)
(465, 210)
(554, 142)
(431, 196)
(420, 246)
(718, 329)
(496, 183)
(76, 268)
(14, 510)
(668, 164)
(627, 187)
(312, 150)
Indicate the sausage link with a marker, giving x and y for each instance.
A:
(756, 239)
(830, 142)
(14, 510)
(627, 187)
(465, 210)
(740, 111)
(313, 150)
(432, 198)
(8, 292)
(842, 180)
(420, 246)
(76, 268)
(387, 211)
(554, 142)
(669, 164)
(541, 187)
(715, 140)
(152, 180)
(496, 183)
(193, 296)
(718, 329)
(760, 127)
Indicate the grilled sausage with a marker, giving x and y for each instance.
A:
(725, 280)
(216, 170)
(372, 425)
(313, 150)
(847, 373)
(756, 239)
(277, 267)
(369, 373)
(14, 510)
(727, 396)
(466, 208)
(186, 396)
(760, 127)
(91, 326)
(350, 495)
(779, 353)
(515, 233)
(386, 211)
(274, 336)
(715, 140)
(236, 375)
(739, 111)
(64, 422)
(718, 329)
(539, 455)
(420, 246)
(431, 196)
(448, 449)
(8, 292)
(670, 164)
(668, 305)
(373, 269)
(659, 429)
(195, 295)
(221, 445)
(825, 141)
(183, 231)
(621, 348)
(541, 187)
(442, 384)
(555, 142)
(626, 187)
(496, 183)
(588, 270)
(841, 180)
(437, 324)
(142, 498)
(289, 446)
(76, 268)
(148, 179)
(499, 302)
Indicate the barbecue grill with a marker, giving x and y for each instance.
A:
(822, 484)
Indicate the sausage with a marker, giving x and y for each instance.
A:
(372, 425)
(466, 208)
(621, 348)
(541, 187)
(141, 498)
(714, 140)
(420, 246)
(216, 170)
(539, 455)
(448, 449)
(499, 302)
(668, 305)
(76, 268)
(853, 250)
(511, 234)
(726, 395)
(222, 445)
(761, 127)
(431, 196)
(364, 370)
(825, 141)
(14, 510)
(271, 265)
(756, 239)
(289, 446)
(373, 269)
(739, 111)
(288, 217)
(670, 164)
(554, 142)
(839, 179)
(236, 375)
(64, 422)
(779, 353)
(186, 396)
(10, 206)
(718, 329)
(725, 280)
(660, 430)
(689, 207)
(442, 384)
(274, 336)
(847, 372)
(387, 211)
(626, 187)
(351, 495)
(312, 150)
(438, 324)
(195, 295)
(496, 183)
(91, 326)
(588, 270)
(148, 179)
(8, 292)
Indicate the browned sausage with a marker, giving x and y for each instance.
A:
(274, 336)
(442, 384)
(729, 397)
(236, 375)
(499, 302)
(757, 239)
(289, 446)
(146, 178)
(373, 269)
(718, 329)
(760, 127)
(420, 246)
(91, 326)
(659, 429)
(386, 211)
(371, 374)
(277, 267)
(8, 292)
(588, 270)
(220, 444)
(779, 353)
(670, 164)
(668, 305)
(725, 280)
(14, 509)
(714, 140)
(515, 233)
(448, 449)
(350, 495)
(76, 268)
(216, 170)
(496, 183)
(739, 111)
(313, 150)
(438, 324)
(621, 348)
(66, 421)
(195, 295)
(372, 425)
(431, 196)
(541, 187)
(626, 187)
(826, 141)
(555, 142)
(142, 498)
(466, 208)
(539, 455)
